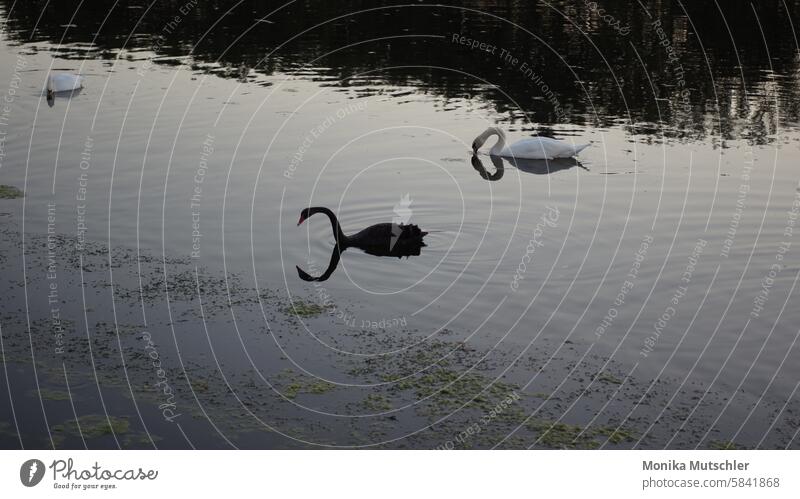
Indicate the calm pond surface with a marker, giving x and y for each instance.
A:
(642, 295)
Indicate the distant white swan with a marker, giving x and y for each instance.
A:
(532, 148)
(63, 82)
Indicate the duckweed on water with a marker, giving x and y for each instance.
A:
(140, 440)
(447, 389)
(455, 379)
(376, 402)
(607, 377)
(10, 192)
(47, 394)
(617, 435)
(319, 387)
(92, 426)
(724, 445)
(305, 309)
(560, 435)
(200, 385)
(298, 384)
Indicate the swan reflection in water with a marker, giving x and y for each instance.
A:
(385, 239)
(62, 85)
(534, 166)
(68, 94)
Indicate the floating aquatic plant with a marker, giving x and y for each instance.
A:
(10, 192)
(93, 426)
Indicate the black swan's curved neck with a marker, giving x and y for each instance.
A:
(341, 238)
(335, 256)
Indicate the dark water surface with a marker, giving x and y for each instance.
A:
(643, 295)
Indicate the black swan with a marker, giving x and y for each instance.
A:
(385, 239)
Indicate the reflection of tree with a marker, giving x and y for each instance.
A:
(722, 60)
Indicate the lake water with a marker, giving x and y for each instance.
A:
(643, 295)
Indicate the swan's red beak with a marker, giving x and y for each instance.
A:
(302, 219)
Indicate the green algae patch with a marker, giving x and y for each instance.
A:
(455, 378)
(607, 377)
(57, 440)
(47, 394)
(563, 435)
(298, 384)
(140, 440)
(92, 426)
(431, 376)
(617, 435)
(200, 385)
(305, 309)
(558, 435)
(376, 402)
(724, 445)
(10, 192)
(317, 388)
(447, 390)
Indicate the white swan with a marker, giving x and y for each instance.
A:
(63, 82)
(532, 148)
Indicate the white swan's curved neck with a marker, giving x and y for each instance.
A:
(497, 149)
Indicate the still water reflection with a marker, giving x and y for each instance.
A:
(649, 286)
(534, 166)
(684, 70)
